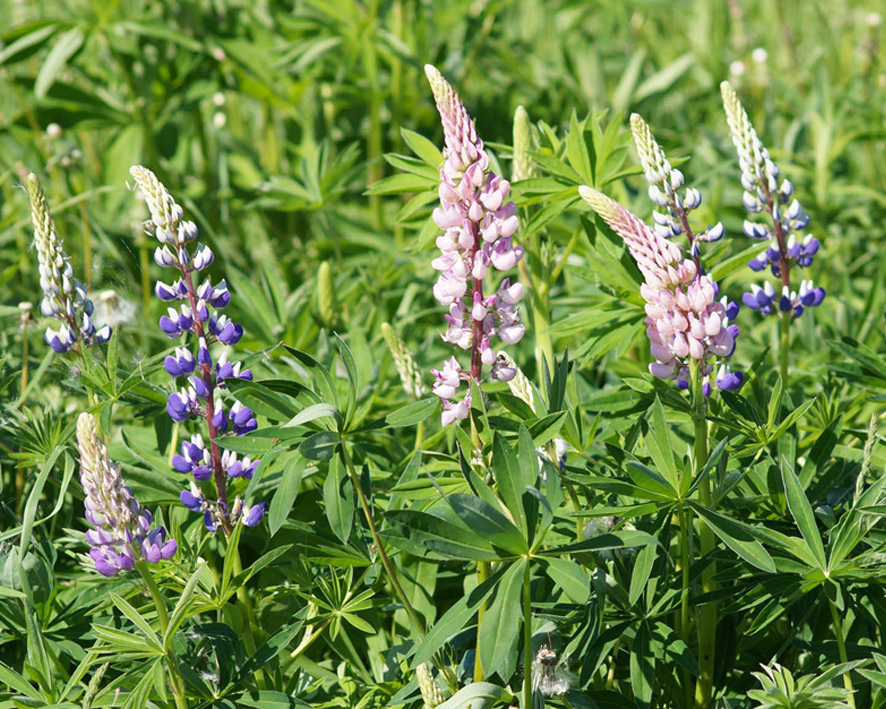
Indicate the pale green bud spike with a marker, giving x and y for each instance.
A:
(165, 213)
(326, 297)
(429, 690)
(45, 234)
(751, 152)
(655, 164)
(523, 166)
(410, 375)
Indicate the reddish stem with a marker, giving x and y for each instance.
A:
(218, 474)
(477, 331)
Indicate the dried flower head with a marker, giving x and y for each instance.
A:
(549, 674)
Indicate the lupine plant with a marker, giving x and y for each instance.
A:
(605, 497)
(199, 316)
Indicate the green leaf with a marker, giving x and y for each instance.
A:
(483, 519)
(262, 400)
(498, 632)
(353, 380)
(571, 577)
(312, 413)
(136, 617)
(412, 413)
(476, 695)
(287, 491)
(659, 445)
(642, 666)
(738, 536)
(610, 540)
(577, 150)
(640, 575)
(320, 446)
(802, 513)
(64, 48)
(422, 147)
(453, 620)
(444, 536)
(508, 475)
(338, 495)
(179, 613)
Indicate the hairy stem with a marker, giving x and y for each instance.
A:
(685, 542)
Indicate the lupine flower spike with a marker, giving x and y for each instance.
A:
(479, 224)
(191, 365)
(64, 297)
(121, 531)
(684, 320)
(785, 244)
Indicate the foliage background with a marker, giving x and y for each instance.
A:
(269, 121)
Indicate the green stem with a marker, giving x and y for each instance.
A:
(249, 620)
(175, 678)
(527, 637)
(707, 622)
(386, 562)
(482, 576)
(785, 349)
(841, 646)
(685, 543)
(482, 566)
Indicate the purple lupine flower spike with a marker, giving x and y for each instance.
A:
(784, 248)
(121, 533)
(478, 223)
(192, 317)
(683, 318)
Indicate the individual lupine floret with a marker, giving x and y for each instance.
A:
(121, 533)
(684, 319)
(195, 312)
(479, 223)
(784, 249)
(64, 297)
(668, 193)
